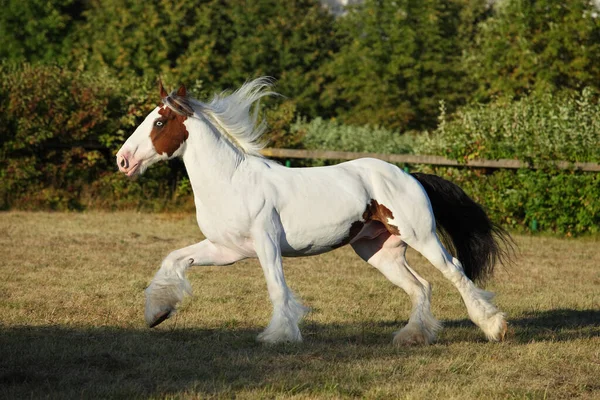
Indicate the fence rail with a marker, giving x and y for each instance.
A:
(418, 159)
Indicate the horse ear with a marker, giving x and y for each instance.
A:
(182, 92)
(163, 92)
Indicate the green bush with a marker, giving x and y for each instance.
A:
(539, 129)
(538, 46)
(566, 203)
(59, 131)
(320, 134)
(38, 30)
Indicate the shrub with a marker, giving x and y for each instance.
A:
(538, 129)
(538, 46)
(59, 131)
(320, 134)
(38, 30)
(561, 202)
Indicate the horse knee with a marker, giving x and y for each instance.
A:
(176, 263)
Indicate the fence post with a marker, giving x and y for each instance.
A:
(534, 225)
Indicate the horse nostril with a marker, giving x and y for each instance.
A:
(123, 162)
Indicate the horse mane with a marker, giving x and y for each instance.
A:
(232, 115)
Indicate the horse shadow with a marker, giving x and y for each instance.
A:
(67, 362)
(557, 325)
(109, 362)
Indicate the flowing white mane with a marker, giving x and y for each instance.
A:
(231, 114)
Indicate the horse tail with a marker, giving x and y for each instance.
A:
(465, 228)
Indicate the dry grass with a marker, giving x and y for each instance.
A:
(71, 304)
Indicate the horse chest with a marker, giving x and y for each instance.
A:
(224, 225)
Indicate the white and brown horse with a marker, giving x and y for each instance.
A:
(249, 206)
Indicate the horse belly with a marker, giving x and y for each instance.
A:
(314, 231)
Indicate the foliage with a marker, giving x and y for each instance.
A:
(538, 128)
(562, 202)
(319, 134)
(540, 45)
(59, 130)
(221, 43)
(38, 30)
(279, 120)
(398, 58)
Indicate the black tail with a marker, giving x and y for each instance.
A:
(465, 228)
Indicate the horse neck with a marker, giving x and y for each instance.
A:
(209, 159)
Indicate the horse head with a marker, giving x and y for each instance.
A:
(161, 136)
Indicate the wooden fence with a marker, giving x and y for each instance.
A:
(417, 159)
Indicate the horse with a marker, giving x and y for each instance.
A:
(248, 206)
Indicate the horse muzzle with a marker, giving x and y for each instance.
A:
(127, 164)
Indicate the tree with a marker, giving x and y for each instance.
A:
(37, 30)
(399, 58)
(219, 43)
(536, 46)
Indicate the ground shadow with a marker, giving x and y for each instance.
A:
(550, 325)
(109, 362)
(557, 325)
(64, 362)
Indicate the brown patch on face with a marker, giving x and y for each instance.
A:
(168, 132)
(379, 212)
(355, 229)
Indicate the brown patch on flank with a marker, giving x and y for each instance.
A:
(373, 212)
(168, 132)
(379, 212)
(355, 229)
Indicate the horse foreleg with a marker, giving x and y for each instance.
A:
(287, 311)
(170, 285)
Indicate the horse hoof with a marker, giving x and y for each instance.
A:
(411, 336)
(504, 330)
(160, 318)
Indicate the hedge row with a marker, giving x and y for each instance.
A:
(60, 129)
(566, 203)
(59, 132)
(538, 129)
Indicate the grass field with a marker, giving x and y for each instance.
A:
(71, 321)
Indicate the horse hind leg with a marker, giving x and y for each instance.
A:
(416, 226)
(478, 302)
(387, 253)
